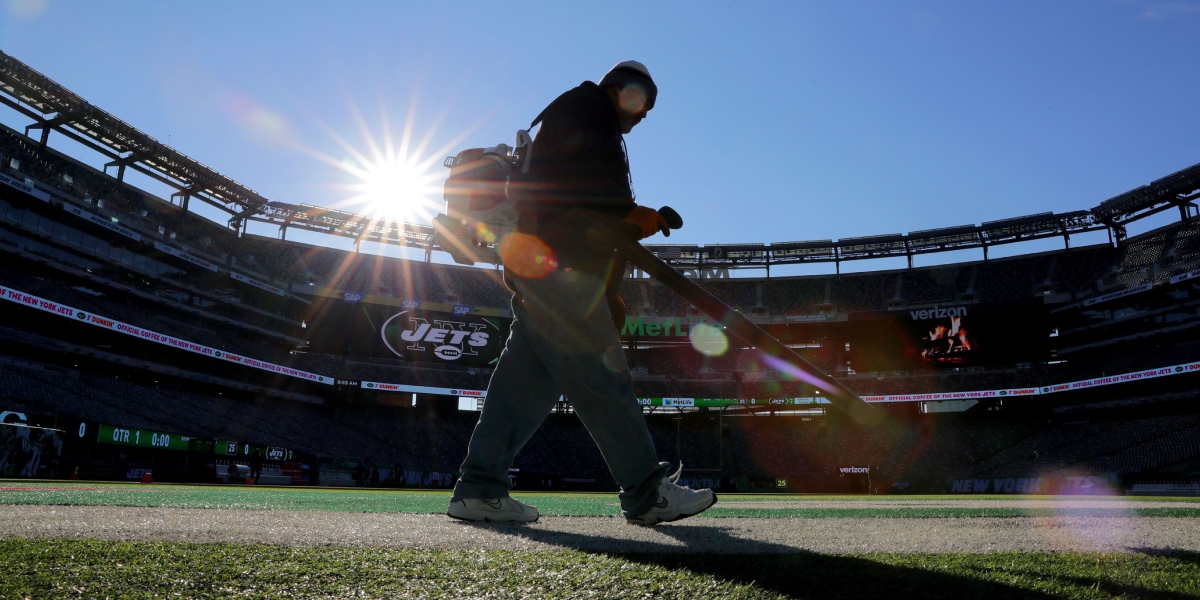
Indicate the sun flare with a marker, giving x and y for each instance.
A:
(395, 187)
(392, 177)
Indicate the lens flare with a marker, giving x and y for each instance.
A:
(485, 234)
(527, 256)
(25, 9)
(795, 372)
(633, 98)
(708, 340)
(255, 118)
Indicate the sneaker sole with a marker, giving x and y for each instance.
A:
(678, 518)
(487, 520)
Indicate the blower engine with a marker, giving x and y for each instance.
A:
(481, 195)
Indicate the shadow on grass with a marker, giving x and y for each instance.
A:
(777, 568)
(1192, 558)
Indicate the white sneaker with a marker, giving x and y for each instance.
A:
(675, 502)
(491, 509)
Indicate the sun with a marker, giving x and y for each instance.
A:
(395, 187)
(392, 177)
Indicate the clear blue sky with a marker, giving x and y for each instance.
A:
(775, 121)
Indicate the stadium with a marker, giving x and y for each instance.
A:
(146, 343)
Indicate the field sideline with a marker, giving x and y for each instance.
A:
(93, 539)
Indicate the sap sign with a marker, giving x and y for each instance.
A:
(352, 296)
(463, 310)
(410, 304)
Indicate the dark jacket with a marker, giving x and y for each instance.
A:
(578, 162)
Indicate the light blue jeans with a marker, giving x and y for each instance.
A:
(562, 342)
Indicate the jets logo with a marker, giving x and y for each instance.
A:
(446, 339)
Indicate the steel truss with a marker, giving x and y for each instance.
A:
(55, 108)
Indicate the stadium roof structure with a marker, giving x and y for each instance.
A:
(337, 222)
(1178, 189)
(53, 107)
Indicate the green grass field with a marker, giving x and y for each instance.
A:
(41, 568)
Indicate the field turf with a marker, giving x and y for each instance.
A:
(37, 568)
(550, 504)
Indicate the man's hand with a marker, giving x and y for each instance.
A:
(648, 220)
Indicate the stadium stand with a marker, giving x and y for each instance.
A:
(108, 248)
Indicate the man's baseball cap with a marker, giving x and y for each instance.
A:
(632, 71)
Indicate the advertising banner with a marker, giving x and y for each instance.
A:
(969, 395)
(943, 336)
(663, 327)
(62, 310)
(817, 318)
(1180, 369)
(730, 401)
(853, 470)
(422, 389)
(1103, 484)
(1122, 378)
(415, 334)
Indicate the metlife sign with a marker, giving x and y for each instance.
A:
(680, 327)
